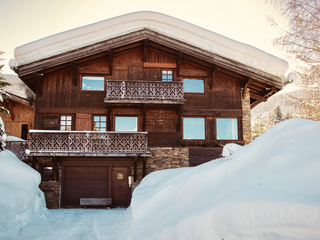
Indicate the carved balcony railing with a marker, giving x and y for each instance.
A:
(87, 143)
(18, 148)
(144, 92)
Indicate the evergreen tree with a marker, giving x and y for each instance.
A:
(3, 94)
(278, 117)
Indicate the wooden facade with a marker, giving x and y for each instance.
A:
(144, 76)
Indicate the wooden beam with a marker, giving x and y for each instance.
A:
(108, 117)
(135, 161)
(194, 73)
(213, 112)
(213, 74)
(179, 58)
(94, 70)
(145, 50)
(74, 73)
(179, 119)
(39, 83)
(110, 61)
(159, 65)
(144, 117)
(144, 163)
(245, 87)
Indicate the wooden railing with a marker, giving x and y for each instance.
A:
(144, 92)
(87, 143)
(18, 148)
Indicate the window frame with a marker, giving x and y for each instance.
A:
(93, 75)
(93, 121)
(192, 78)
(125, 116)
(194, 139)
(167, 80)
(60, 120)
(237, 127)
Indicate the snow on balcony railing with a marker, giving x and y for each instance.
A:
(144, 92)
(18, 148)
(87, 143)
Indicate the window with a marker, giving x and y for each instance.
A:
(65, 123)
(227, 129)
(166, 75)
(126, 124)
(193, 128)
(92, 83)
(193, 85)
(100, 123)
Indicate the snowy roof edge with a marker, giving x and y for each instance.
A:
(164, 24)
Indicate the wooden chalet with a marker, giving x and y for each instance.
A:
(140, 98)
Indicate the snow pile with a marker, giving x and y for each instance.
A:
(164, 24)
(268, 189)
(20, 197)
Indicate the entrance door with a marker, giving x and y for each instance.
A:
(120, 186)
(84, 182)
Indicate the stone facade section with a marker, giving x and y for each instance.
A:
(51, 190)
(246, 119)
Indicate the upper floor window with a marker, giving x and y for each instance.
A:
(90, 83)
(167, 75)
(65, 123)
(100, 123)
(126, 124)
(194, 128)
(193, 85)
(227, 129)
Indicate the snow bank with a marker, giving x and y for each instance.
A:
(20, 197)
(268, 189)
(164, 24)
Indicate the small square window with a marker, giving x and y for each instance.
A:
(92, 83)
(100, 123)
(194, 128)
(126, 124)
(166, 75)
(65, 123)
(193, 85)
(227, 129)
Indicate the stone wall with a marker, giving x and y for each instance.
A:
(163, 158)
(246, 119)
(51, 190)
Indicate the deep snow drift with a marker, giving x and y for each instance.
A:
(268, 189)
(20, 198)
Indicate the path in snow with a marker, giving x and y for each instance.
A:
(72, 224)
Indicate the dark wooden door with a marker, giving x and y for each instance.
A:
(84, 182)
(120, 186)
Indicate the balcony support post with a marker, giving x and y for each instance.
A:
(135, 162)
(144, 163)
(144, 117)
(179, 119)
(108, 117)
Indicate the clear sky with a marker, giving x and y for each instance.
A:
(24, 21)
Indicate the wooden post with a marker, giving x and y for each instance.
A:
(135, 162)
(145, 50)
(144, 162)
(179, 58)
(179, 119)
(246, 86)
(213, 74)
(110, 61)
(108, 117)
(39, 83)
(74, 73)
(144, 117)
(55, 168)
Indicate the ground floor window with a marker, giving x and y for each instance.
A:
(227, 128)
(126, 124)
(194, 128)
(100, 123)
(65, 123)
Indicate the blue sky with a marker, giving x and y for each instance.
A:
(26, 21)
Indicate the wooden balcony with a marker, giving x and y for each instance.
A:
(18, 148)
(144, 92)
(87, 143)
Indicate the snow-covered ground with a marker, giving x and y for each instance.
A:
(268, 189)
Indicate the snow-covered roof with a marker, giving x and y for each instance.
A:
(164, 24)
(18, 88)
